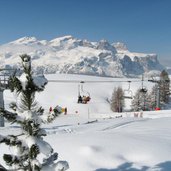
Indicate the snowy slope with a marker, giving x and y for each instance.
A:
(105, 144)
(71, 55)
(100, 89)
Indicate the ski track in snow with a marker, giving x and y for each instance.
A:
(66, 130)
(121, 125)
(72, 129)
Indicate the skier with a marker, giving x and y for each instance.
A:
(65, 110)
(80, 100)
(88, 98)
(84, 100)
(50, 109)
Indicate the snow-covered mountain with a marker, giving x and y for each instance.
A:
(71, 55)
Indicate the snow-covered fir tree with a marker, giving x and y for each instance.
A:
(140, 101)
(32, 153)
(164, 87)
(117, 100)
(152, 96)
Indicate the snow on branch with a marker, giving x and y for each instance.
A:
(53, 114)
(8, 115)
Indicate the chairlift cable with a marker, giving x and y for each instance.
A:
(89, 81)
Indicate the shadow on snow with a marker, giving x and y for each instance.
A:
(165, 166)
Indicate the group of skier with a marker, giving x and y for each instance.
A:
(58, 108)
(81, 99)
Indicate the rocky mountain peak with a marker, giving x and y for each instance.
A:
(119, 46)
(71, 55)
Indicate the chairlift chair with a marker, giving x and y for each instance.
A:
(128, 93)
(143, 89)
(83, 96)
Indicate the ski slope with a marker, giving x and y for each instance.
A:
(92, 138)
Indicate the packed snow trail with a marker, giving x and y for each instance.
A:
(123, 124)
(95, 125)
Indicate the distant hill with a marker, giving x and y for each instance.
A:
(71, 55)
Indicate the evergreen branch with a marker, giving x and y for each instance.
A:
(8, 115)
(27, 101)
(34, 151)
(15, 84)
(11, 140)
(31, 127)
(40, 111)
(13, 159)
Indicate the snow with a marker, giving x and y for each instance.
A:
(122, 50)
(23, 80)
(96, 139)
(62, 166)
(24, 40)
(71, 55)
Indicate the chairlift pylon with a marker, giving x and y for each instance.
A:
(4, 84)
(5, 74)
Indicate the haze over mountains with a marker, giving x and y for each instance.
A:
(71, 55)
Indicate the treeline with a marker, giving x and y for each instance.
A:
(143, 99)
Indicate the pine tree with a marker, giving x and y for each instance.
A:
(140, 101)
(153, 97)
(117, 100)
(164, 87)
(29, 115)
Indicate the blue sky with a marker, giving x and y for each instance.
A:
(144, 25)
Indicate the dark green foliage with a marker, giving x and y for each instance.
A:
(34, 151)
(8, 115)
(9, 159)
(11, 140)
(31, 127)
(40, 110)
(14, 84)
(19, 160)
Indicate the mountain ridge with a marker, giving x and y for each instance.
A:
(71, 55)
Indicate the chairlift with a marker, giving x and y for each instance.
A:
(127, 92)
(83, 96)
(143, 88)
